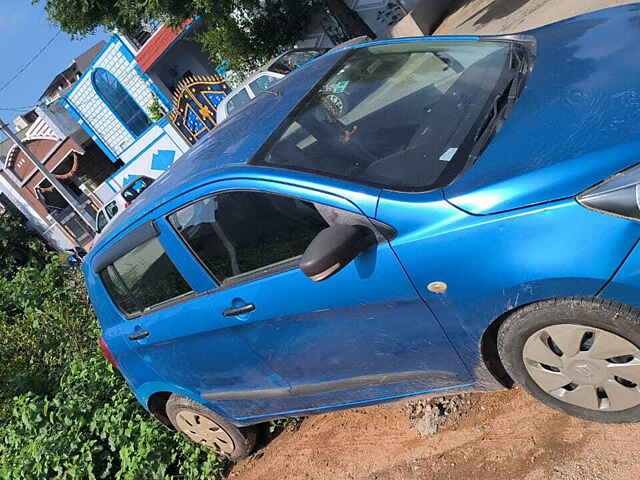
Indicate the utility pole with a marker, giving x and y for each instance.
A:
(49, 176)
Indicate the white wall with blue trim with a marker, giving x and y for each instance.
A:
(148, 153)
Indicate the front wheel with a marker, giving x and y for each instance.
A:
(579, 356)
(203, 426)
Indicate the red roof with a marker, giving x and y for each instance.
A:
(158, 44)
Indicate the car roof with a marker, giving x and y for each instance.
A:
(235, 142)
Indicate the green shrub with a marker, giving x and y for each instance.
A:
(64, 412)
(45, 323)
(94, 428)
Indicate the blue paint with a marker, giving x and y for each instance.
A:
(107, 84)
(149, 145)
(162, 159)
(574, 124)
(126, 53)
(91, 66)
(503, 235)
(87, 128)
(128, 179)
(156, 90)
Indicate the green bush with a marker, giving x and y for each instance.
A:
(94, 428)
(64, 412)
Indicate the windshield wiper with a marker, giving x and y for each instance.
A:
(501, 105)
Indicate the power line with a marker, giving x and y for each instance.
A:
(18, 109)
(30, 62)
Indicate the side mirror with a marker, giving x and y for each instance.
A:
(333, 248)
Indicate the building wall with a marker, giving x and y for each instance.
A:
(51, 231)
(56, 151)
(151, 155)
(83, 102)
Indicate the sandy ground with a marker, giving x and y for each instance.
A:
(489, 17)
(505, 435)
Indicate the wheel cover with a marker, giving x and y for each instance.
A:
(204, 431)
(584, 366)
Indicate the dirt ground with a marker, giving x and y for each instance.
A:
(491, 17)
(505, 435)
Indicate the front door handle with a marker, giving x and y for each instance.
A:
(235, 311)
(139, 335)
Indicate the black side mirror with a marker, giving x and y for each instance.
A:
(333, 248)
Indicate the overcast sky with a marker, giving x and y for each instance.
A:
(24, 30)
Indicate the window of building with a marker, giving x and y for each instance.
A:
(240, 232)
(120, 102)
(143, 278)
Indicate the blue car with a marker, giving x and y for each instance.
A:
(397, 218)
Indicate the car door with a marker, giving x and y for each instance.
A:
(360, 335)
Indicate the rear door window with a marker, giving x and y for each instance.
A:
(242, 232)
(144, 278)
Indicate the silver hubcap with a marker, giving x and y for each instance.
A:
(205, 431)
(584, 366)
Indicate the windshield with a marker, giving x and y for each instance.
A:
(136, 188)
(399, 115)
(288, 62)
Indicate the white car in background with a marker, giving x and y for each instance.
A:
(120, 201)
(264, 79)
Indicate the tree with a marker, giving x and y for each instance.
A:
(244, 32)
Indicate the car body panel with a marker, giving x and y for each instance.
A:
(493, 264)
(574, 124)
(503, 235)
(378, 330)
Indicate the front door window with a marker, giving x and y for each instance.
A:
(237, 233)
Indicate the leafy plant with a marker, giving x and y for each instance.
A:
(244, 32)
(156, 110)
(64, 412)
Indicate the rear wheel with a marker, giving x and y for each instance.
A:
(203, 426)
(579, 356)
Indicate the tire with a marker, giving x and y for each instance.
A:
(600, 362)
(203, 426)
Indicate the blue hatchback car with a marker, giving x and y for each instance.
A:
(398, 218)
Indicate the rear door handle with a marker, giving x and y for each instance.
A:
(235, 311)
(139, 335)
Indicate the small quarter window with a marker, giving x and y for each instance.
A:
(238, 232)
(143, 278)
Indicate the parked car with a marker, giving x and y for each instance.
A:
(120, 201)
(471, 220)
(264, 79)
